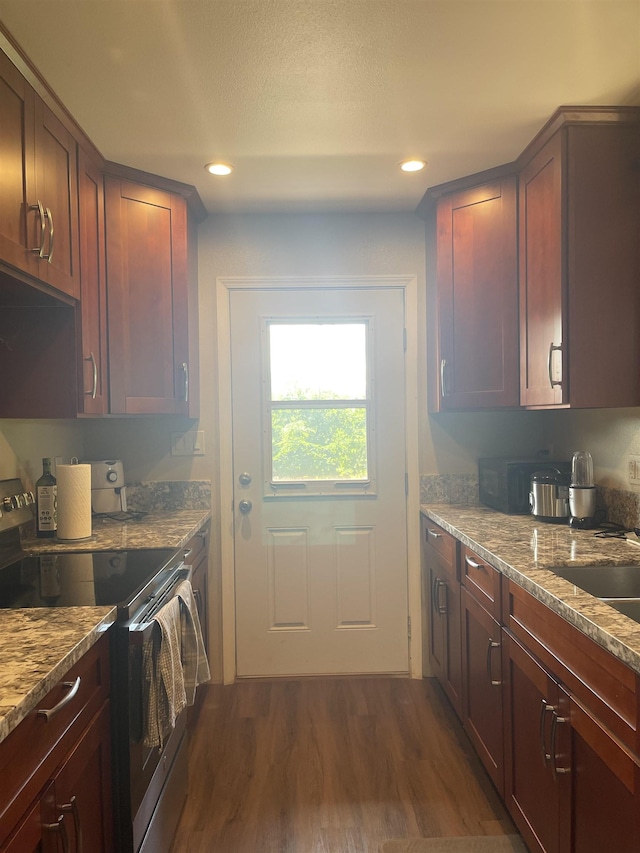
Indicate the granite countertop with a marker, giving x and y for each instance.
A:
(523, 549)
(153, 530)
(38, 646)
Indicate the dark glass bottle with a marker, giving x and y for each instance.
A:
(46, 502)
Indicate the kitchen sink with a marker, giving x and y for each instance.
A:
(628, 606)
(608, 582)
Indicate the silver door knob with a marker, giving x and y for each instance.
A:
(245, 507)
(244, 479)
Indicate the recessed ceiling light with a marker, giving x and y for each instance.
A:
(219, 168)
(413, 165)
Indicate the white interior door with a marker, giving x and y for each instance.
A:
(320, 523)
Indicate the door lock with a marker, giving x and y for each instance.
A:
(244, 479)
(245, 507)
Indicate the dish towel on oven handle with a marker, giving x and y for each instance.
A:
(175, 663)
(164, 690)
(194, 657)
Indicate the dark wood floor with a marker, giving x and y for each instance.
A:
(331, 766)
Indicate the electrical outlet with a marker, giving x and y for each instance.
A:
(190, 443)
(633, 470)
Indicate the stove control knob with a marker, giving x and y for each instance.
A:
(7, 504)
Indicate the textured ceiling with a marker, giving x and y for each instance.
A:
(316, 101)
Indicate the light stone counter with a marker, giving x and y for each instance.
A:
(154, 530)
(522, 549)
(39, 645)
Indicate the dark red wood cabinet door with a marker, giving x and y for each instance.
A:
(534, 795)
(83, 788)
(543, 378)
(57, 190)
(605, 779)
(146, 235)
(477, 297)
(93, 389)
(17, 173)
(482, 714)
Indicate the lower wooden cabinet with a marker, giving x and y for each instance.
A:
(56, 790)
(442, 598)
(482, 715)
(554, 717)
(536, 794)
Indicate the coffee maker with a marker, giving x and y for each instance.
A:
(582, 491)
(108, 490)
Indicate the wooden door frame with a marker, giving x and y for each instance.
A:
(224, 286)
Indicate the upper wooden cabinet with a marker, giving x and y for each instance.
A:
(477, 298)
(150, 321)
(38, 187)
(579, 197)
(91, 316)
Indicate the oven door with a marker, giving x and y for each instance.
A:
(151, 783)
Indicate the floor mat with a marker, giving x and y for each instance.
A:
(470, 844)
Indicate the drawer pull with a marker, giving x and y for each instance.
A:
(473, 565)
(492, 645)
(60, 828)
(544, 709)
(435, 534)
(555, 770)
(72, 806)
(72, 687)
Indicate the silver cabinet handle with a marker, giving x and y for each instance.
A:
(443, 365)
(72, 687)
(555, 770)
(435, 534)
(60, 828)
(553, 348)
(492, 645)
(473, 564)
(245, 507)
(72, 806)
(94, 369)
(438, 606)
(38, 206)
(545, 707)
(185, 370)
(49, 256)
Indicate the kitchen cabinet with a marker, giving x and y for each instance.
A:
(56, 769)
(197, 556)
(477, 297)
(573, 769)
(442, 595)
(39, 197)
(152, 325)
(91, 316)
(579, 217)
(482, 712)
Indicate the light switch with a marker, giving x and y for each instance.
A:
(190, 443)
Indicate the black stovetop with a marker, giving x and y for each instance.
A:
(79, 579)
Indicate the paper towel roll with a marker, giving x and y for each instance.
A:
(74, 501)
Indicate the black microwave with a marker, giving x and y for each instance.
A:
(504, 484)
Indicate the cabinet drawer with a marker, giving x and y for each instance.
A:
(481, 580)
(441, 541)
(196, 545)
(598, 680)
(30, 754)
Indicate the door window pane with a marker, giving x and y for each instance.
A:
(319, 444)
(319, 361)
(318, 403)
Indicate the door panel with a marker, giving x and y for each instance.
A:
(320, 564)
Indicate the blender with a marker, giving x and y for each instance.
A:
(582, 491)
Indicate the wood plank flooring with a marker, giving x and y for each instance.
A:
(331, 766)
